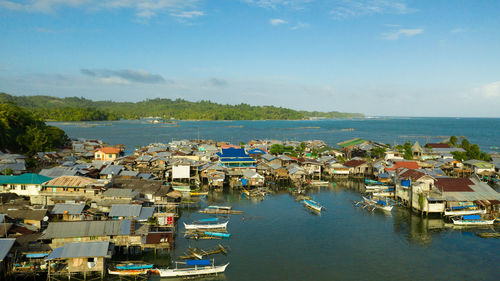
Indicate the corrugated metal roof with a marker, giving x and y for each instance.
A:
(129, 173)
(55, 172)
(80, 250)
(70, 209)
(70, 181)
(86, 228)
(5, 246)
(125, 210)
(120, 192)
(112, 170)
(146, 213)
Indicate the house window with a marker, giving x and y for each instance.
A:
(65, 189)
(23, 187)
(110, 155)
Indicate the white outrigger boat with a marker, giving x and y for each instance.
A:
(211, 223)
(201, 267)
(471, 220)
(379, 204)
(448, 212)
(376, 187)
(313, 205)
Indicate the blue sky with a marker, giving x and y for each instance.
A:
(378, 57)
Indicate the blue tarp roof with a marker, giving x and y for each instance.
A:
(472, 217)
(232, 152)
(198, 262)
(238, 159)
(256, 151)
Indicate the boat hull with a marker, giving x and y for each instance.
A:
(472, 222)
(206, 226)
(195, 271)
(313, 205)
(464, 212)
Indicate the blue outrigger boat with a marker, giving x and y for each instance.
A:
(313, 205)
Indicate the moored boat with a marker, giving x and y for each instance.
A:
(130, 266)
(379, 204)
(471, 220)
(128, 272)
(212, 223)
(313, 205)
(201, 267)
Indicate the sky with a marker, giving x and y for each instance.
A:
(377, 57)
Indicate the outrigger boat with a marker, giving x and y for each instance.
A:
(471, 220)
(313, 205)
(182, 188)
(201, 267)
(220, 210)
(379, 204)
(211, 223)
(131, 266)
(463, 210)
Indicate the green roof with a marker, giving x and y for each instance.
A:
(24, 179)
(353, 142)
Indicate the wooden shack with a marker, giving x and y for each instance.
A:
(84, 258)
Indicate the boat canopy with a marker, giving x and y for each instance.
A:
(471, 217)
(198, 262)
(383, 203)
(209, 219)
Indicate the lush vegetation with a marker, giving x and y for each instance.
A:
(472, 151)
(81, 109)
(406, 149)
(23, 132)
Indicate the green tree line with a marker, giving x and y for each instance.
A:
(81, 109)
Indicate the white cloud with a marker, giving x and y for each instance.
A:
(278, 21)
(273, 4)
(189, 14)
(344, 9)
(299, 26)
(491, 90)
(395, 35)
(144, 9)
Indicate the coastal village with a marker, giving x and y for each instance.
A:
(90, 202)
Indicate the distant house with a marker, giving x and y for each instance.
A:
(131, 211)
(107, 153)
(252, 178)
(358, 167)
(28, 216)
(119, 232)
(81, 257)
(68, 212)
(23, 185)
(480, 167)
(120, 193)
(235, 158)
(73, 188)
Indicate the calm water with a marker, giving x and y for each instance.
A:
(484, 131)
(279, 239)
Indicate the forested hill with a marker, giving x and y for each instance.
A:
(81, 109)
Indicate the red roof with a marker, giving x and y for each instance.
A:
(438, 145)
(411, 165)
(354, 163)
(413, 174)
(110, 150)
(454, 184)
